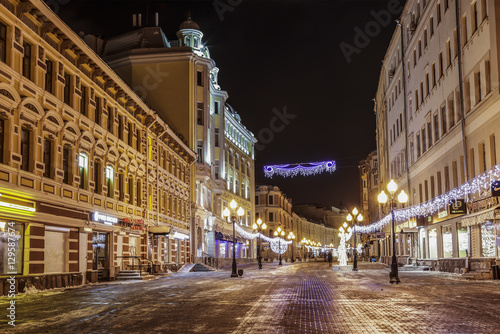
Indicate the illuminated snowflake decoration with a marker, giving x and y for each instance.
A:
(304, 169)
(279, 246)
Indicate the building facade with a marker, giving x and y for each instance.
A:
(179, 79)
(89, 172)
(437, 114)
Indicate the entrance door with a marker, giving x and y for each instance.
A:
(100, 248)
(119, 251)
(55, 252)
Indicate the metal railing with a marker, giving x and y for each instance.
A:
(210, 260)
(149, 264)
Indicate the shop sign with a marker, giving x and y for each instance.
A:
(442, 214)
(134, 224)
(108, 220)
(457, 207)
(495, 188)
(484, 204)
(16, 203)
(180, 236)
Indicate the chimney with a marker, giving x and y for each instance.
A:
(157, 19)
(134, 20)
(140, 21)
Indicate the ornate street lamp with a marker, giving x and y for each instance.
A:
(279, 233)
(233, 216)
(291, 237)
(382, 199)
(356, 216)
(260, 226)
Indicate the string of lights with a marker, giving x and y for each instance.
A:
(251, 236)
(467, 192)
(304, 169)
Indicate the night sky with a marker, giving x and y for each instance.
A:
(275, 55)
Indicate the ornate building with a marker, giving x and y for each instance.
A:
(91, 178)
(180, 80)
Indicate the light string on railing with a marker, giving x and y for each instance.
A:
(467, 192)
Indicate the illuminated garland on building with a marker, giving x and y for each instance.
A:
(467, 191)
(304, 169)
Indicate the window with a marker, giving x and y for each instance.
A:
(446, 236)
(448, 54)
(199, 115)
(83, 162)
(98, 110)
(131, 193)
(271, 216)
(463, 240)
(120, 127)
(216, 107)
(487, 72)
(97, 177)
(424, 146)
(429, 133)
(427, 90)
(464, 29)
(439, 186)
(455, 174)
(121, 186)
(2, 139)
(83, 101)
(441, 69)
(47, 157)
(471, 163)
(426, 190)
(438, 13)
(474, 16)
(217, 135)
(110, 119)
(418, 146)
(484, 7)
(425, 38)
(482, 157)
(431, 26)
(49, 76)
(25, 149)
(433, 193)
(199, 150)
(436, 127)
(66, 164)
(138, 139)
(271, 200)
(138, 191)
(27, 60)
(3, 42)
(443, 120)
(68, 94)
(109, 180)
(493, 155)
(451, 113)
(477, 84)
(199, 78)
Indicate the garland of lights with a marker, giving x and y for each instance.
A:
(467, 191)
(278, 245)
(304, 169)
(342, 255)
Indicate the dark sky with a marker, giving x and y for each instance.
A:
(275, 55)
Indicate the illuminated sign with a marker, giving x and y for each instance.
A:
(105, 219)
(15, 203)
(181, 236)
(457, 207)
(442, 214)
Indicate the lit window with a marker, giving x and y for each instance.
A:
(82, 166)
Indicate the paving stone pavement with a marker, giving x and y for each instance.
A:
(293, 298)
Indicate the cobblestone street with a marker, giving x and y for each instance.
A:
(294, 298)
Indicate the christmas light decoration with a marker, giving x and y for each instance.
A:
(304, 169)
(472, 190)
(277, 246)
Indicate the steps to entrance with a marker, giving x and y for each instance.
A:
(128, 275)
(478, 274)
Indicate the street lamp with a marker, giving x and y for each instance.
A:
(291, 237)
(279, 233)
(356, 216)
(382, 199)
(233, 216)
(257, 227)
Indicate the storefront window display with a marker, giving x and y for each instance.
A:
(433, 244)
(488, 237)
(447, 241)
(222, 249)
(11, 248)
(463, 240)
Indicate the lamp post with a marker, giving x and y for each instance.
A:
(257, 227)
(356, 216)
(232, 217)
(382, 199)
(291, 237)
(279, 233)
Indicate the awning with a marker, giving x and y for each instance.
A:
(162, 229)
(481, 217)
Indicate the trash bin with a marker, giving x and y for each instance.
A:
(495, 271)
(373, 259)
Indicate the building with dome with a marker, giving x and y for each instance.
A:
(179, 80)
